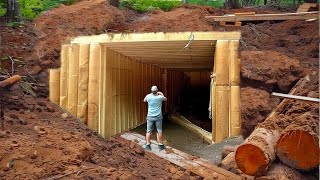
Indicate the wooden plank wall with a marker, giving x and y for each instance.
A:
(175, 83)
(105, 89)
(199, 78)
(226, 116)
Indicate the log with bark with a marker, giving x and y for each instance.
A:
(229, 164)
(298, 146)
(256, 154)
(279, 171)
(10, 81)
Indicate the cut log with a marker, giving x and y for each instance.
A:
(229, 163)
(10, 81)
(298, 146)
(257, 152)
(283, 172)
(255, 155)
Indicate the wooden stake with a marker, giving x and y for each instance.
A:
(73, 69)
(82, 111)
(54, 83)
(94, 85)
(64, 76)
(235, 114)
(222, 113)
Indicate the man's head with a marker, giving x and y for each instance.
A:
(154, 89)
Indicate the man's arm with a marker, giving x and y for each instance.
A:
(161, 94)
(145, 99)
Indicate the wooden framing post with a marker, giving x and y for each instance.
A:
(102, 94)
(54, 83)
(109, 124)
(222, 91)
(235, 113)
(93, 86)
(82, 110)
(64, 76)
(73, 79)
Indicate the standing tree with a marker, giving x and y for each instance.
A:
(114, 3)
(233, 4)
(13, 11)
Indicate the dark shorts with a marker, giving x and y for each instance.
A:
(154, 121)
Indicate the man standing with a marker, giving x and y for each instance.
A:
(154, 116)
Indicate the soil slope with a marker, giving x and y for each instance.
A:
(34, 126)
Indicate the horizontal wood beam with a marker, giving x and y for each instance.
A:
(264, 17)
(160, 36)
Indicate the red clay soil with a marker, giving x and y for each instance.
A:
(40, 140)
(269, 70)
(256, 104)
(34, 125)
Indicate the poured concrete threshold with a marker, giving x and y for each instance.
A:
(182, 121)
(189, 162)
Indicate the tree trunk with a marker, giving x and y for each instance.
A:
(114, 3)
(229, 164)
(9, 81)
(298, 146)
(233, 4)
(13, 11)
(257, 152)
(282, 172)
(255, 155)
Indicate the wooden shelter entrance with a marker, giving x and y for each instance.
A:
(103, 78)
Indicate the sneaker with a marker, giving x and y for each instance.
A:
(161, 147)
(147, 147)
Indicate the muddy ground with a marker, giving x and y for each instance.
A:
(38, 141)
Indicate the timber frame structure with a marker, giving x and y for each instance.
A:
(104, 78)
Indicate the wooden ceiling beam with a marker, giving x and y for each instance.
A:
(159, 36)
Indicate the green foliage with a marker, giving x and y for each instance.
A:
(214, 3)
(147, 5)
(31, 8)
(2, 7)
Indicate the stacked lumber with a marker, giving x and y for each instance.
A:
(290, 133)
(305, 7)
(263, 17)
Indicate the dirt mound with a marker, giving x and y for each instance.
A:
(40, 141)
(34, 125)
(17, 42)
(294, 38)
(269, 70)
(57, 26)
(256, 104)
(187, 18)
